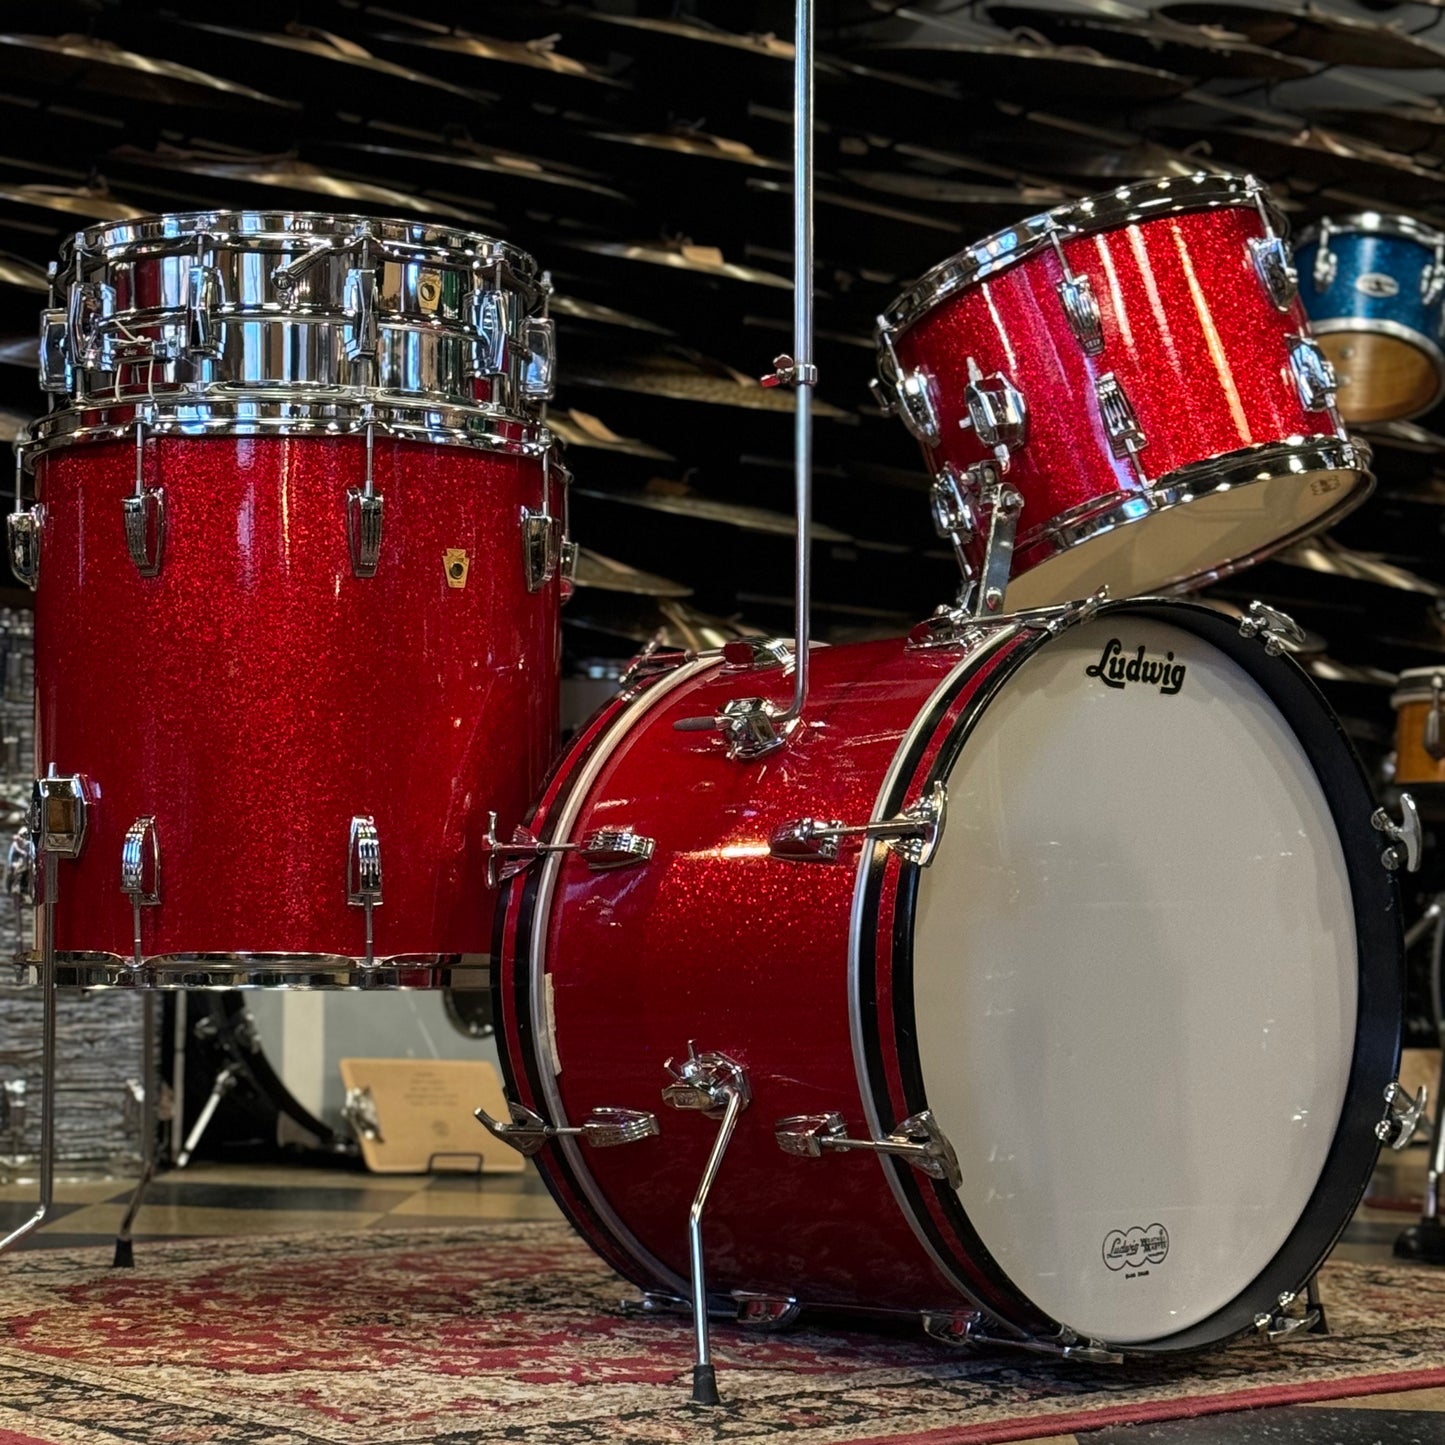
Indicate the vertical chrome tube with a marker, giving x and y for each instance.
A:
(802, 343)
(47, 1061)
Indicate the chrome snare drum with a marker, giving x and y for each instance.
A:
(293, 303)
(1140, 357)
(1374, 286)
(297, 545)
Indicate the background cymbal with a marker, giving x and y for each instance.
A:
(606, 574)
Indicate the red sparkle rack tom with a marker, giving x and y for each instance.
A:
(1121, 391)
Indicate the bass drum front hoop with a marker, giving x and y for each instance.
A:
(1352, 1154)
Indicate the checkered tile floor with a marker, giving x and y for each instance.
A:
(213, 1199)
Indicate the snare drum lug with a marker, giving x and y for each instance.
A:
(913, 834)
(1121, 425)
(603, 1128)
(1403, 1112)
(203, 285)
(1327, 264)
(359, 1111)
(358, 298)
(23, 529)
(364, 511)
(1081, 307)
(88, 304)
(1405, 836)
(539, 379)
(541, 548)
(20, 867)
(144, 515)
(55, 368)
(363, 873)
(59, 812)
(1314, 377)
(1432, 278)
(766, 1312)
(140, 873)
(1433, 740)
(1277, 630)
(1272, 265)
(908, 393)
(917, 1140)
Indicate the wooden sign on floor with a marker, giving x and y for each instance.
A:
(419, 1115)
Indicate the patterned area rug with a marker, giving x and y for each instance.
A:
(513, 1332)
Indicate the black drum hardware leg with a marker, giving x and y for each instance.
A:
(716, 1087)
(1425, 1239)
(124, 1247)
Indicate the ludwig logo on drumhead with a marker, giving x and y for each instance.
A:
(1131, 1248)
(1377, 284)
(1117, 668)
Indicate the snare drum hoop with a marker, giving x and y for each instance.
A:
(250, 412)
(1372, 223)
(1379, 936)
(1128, 205)
(407, 242)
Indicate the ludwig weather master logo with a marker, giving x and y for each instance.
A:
(1134, 1248)
(1117, 668)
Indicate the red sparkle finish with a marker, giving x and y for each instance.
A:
(715, 941)
(256, 695)
(1198, 347)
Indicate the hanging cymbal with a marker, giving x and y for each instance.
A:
(692, 145)
(470, 58)
(684, 257)
(79, 62)
(1330, 669)
(1324, 555)
(283, 174)
(1328, 160)
(13, 424)
(324, 67)
(678, 500)
(1205, 51)
(19, 351)
(591, 313)
(999, 204)
(1314, 34)
(606, 574)
(664, 621)
(1403, 128)
(23, 275)
(1405, 436)
(1018, 71)
(582, 429)
(87, 203)
(688, 376)
(476, 166)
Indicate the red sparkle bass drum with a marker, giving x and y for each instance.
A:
(296, 546)
(1122, 391)
(1060, 959)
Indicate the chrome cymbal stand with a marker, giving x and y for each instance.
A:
(57, 825)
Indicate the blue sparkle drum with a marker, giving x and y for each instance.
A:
(1374, 287)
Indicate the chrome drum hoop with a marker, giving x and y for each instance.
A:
(1127, 205)
(304, 414)
(261, 300)
(213, 971)
(1373, 223)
